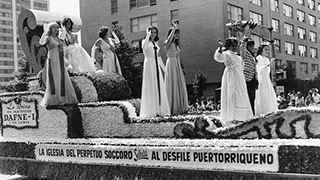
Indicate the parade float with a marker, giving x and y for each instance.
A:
(102, 137)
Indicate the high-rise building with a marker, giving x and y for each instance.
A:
(10, 47)
(295, 29)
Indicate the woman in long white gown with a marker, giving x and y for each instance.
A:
(154, 100)
(175, 80)
(107, 45)
(235, 104)
(266, 98)
(77, 57)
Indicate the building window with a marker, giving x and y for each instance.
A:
(275, 5)
(255, 17)
(312, 20)
(314, 68)
(288, 29)
(319, 7)
(6, 63)
(5, 46)
(175, 16)
(4, 30)
(301, 16)
(7, 15)
(234, 13)
(312, 36)
(6, 6)
(256, 2)
(277, 47)
(257, 39)
(311, 4)
(5, 38)
(137, 44)
(7, 23)
(301, 33)
(291, 64)
(302, 50)
(278, 64)
(9, 55)
(289, 48)
(303, 68)
(141, 23)
(300, 2)
(114, 6)
(275, 25)
(141, 3)
(287, 10)
(313, 52)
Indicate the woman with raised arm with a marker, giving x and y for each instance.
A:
(106, 43)
(175, 80)
(266, 98)
(235, 104)
(154, 100)
(77, 57)
(59, 89)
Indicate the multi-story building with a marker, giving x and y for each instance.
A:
(295, 29)
(10, 46)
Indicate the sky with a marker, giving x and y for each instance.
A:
(67, 7)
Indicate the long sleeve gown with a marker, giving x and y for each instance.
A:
(154, 100)
(235, 104)
(266, 98)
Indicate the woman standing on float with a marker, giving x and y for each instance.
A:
(175, 80)
(235, 104)
(107, 45)
(154, 100)
(59, 89)
(266, 98)
(77, 57)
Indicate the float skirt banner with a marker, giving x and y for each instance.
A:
(258, 159)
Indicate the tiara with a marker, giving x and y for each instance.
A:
(265, 43)
(66, 17)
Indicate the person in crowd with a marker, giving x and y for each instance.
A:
(78, 58)
(299, 100)
(154, 100)
(266, 98)
(106, 43)
(249, 61)
(315, 96)
(282, 101)
(174, 77)
(235, 104)
(309, 99)
(59, 89)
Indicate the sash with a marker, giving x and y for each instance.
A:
(157, 70)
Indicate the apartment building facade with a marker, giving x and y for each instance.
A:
(10, 47)
(295, 29)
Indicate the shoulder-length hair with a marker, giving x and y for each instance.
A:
(176, 41)
(157, 37)
(64, 22)
(50, 27)
(260, 48)
(103, 31)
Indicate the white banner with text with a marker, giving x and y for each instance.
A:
(262, 159)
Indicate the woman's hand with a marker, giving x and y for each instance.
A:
(148, 30)
(175, 25)
(220, 42)
(46, 27)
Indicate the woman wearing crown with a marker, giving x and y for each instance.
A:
(77, 57)
(59, 89)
